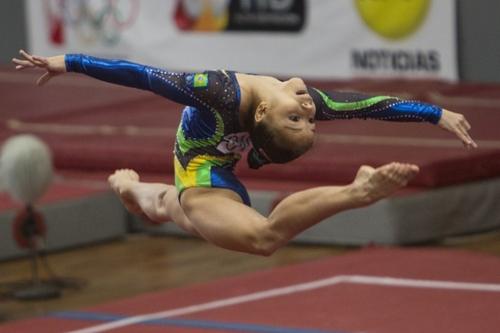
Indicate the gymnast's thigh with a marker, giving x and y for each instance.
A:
(221, 217)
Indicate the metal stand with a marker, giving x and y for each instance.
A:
(36, 289)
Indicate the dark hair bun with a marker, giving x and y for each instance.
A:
(255, 160)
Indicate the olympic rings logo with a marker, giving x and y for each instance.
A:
(91, 20)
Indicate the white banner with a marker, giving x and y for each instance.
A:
(322, 39)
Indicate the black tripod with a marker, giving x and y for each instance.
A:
(30, 231)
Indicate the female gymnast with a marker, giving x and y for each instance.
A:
(225, 112)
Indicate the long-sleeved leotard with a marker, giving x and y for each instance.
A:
(349, 105)
(179, 87)
(209, 139)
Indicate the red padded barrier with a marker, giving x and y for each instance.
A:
(95, 126)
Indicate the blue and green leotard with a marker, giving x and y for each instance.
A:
(209, 139)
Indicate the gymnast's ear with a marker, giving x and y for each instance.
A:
(260, 111)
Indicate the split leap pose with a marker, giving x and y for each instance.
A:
(227, 112)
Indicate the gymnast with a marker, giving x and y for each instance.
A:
(227, 112)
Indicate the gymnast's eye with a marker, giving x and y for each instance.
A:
(294, 118)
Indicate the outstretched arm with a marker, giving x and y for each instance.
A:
(178, 87)
(349, 105)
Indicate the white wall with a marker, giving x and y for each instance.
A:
(478, 40)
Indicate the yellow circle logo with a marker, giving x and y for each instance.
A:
(393, 19)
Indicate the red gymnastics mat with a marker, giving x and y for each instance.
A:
(384, 290)
(96, 126)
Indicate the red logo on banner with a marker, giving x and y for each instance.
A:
(240, 15)
(202, 15)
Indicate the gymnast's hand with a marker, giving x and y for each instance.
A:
(457, 124)
(52, 65)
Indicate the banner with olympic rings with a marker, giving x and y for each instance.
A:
(320, 39)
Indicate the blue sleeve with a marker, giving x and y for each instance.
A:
(347, 105)
(184, 88)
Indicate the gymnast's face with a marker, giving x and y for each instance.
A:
(290, 110)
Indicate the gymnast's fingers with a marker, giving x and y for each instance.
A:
(41, 61)
(465, 127)
(32, 59)
(22, 64)
(44, 79)
(465, 137)
(27, 56)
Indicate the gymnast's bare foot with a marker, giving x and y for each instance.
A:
(148, 200)
(375, 184)
(122, 182)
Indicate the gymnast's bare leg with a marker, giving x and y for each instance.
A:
(219, 216)
(157, 202)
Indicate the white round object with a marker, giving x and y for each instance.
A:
(26, 167)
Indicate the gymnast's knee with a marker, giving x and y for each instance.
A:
(265, 242)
